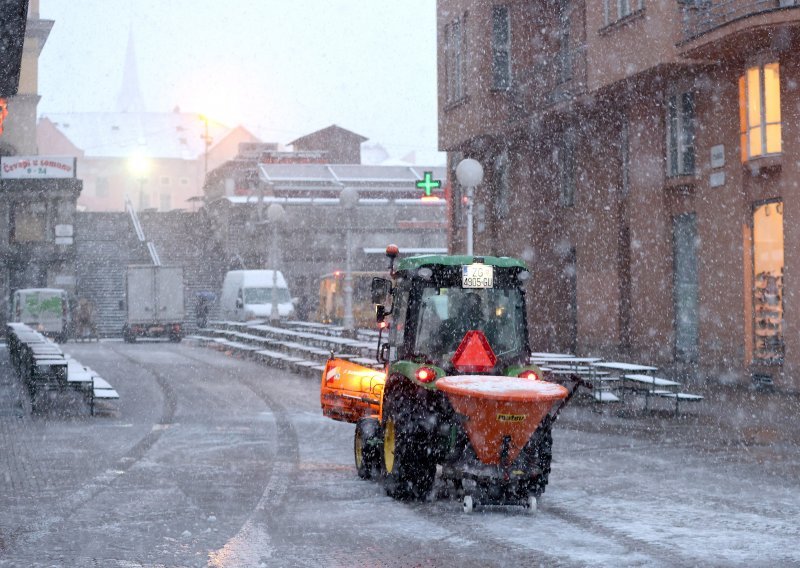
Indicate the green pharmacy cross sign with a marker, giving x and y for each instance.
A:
(428, 184)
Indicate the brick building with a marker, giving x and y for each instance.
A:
(638, 155)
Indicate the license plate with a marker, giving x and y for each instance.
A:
(477, 276)
(156, 329)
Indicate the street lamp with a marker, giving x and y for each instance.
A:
(348, 198)
(275, 216)
(139, 165)
(469, 173)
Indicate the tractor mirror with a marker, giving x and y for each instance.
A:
(381, 288)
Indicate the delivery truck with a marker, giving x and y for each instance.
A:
(154, 302)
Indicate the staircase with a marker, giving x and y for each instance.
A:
(105, 245)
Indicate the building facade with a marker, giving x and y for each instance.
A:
(159, 160)
(37, 196)
(638, 156)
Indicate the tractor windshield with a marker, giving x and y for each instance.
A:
(447, 314)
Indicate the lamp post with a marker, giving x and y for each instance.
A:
(469, 173)
(207, 142)
(275, 216)
(348, 198)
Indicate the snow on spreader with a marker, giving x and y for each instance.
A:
(454, 387)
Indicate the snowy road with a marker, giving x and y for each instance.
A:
(212, 461)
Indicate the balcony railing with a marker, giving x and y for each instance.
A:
(552, 81)
(702, 16)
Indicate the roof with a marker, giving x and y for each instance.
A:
(175, 135)
(336, 176)
(332, 129)
(413, 262)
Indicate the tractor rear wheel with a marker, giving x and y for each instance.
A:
(408, 468)
(366, 448)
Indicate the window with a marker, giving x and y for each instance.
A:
(165, 180)
(685, 291)
(501, 48)
(564, 53)
(768, 253)
(184, 181)
(29, 222)
(455, 60)
(680, 134)
(166, 202)
(501, 186)
(567, 161)
(760, 111)
(619, 9)
(101, 187)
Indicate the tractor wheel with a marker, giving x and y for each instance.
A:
(408, 468)
(541, 457)
(366, 448)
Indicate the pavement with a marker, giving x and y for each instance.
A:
(755, 419)
(715, 485)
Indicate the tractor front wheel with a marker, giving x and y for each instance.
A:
(408, 467)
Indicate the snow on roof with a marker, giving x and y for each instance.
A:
(337, 174)
(175, 135)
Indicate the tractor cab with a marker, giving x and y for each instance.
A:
(459, 313)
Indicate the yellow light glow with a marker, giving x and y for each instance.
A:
(139, 164)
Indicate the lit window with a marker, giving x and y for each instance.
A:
(680, 134)
(501, 48)
(760, 111)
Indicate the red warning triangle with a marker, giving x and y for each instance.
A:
(474, 354)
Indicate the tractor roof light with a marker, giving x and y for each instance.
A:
(425, 374)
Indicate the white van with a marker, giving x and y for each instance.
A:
(44, 309)
(247, 295)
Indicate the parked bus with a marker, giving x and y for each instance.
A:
(331, 298)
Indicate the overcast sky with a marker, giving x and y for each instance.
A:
(282, 68)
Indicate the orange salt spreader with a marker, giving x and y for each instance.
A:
(502, 413)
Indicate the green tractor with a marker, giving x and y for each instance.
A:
(456, 388)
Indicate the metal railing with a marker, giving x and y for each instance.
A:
(137, 225)
(553, 80)
(703, 16)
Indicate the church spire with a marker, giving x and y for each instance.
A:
(130, 97)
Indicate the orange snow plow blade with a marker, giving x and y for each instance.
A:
(350, 391)
(502, 412)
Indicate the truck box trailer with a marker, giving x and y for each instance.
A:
(154, 302)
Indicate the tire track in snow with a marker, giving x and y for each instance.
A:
(73, 502)
(252, 544)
